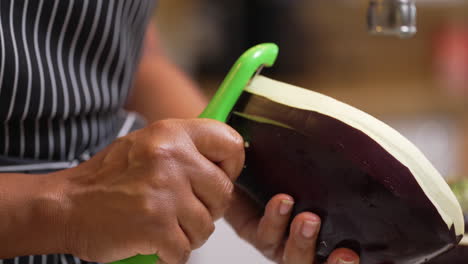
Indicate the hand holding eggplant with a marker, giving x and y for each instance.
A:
(267, 232)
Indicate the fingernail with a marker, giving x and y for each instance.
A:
(309, 229)
(285, 207)
(342, 261)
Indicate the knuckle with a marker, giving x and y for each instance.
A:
(162, 150)
(210, 228)
(167, 127)
(184, 254)
(141, 203)
(224, 199)
(148, 207)
(237, 142)
(153, 208)
(159, 212)
(162, 141)
(111, 155)
(167, 124)
(206, 230)
(228, 192)
(201, 228)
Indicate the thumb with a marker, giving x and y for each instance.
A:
(219, 143)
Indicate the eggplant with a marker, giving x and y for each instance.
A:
(458, 255)
(375, 191)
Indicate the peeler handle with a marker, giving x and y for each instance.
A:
(139, 259)
(224, 100)
(237, 79)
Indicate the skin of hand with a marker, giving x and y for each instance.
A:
(267, 231)
(155, 191)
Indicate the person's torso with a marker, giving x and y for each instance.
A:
(66, 67)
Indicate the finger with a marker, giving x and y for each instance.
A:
(244, 215)
(300, 246)
(195, 220)
(211, 186)
(219, 143)
(174, 248)
(273, 225)
(343, 256)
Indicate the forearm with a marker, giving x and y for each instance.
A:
(161, 90)
(30, 221)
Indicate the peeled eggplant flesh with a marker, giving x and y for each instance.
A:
(375, 192)
(458, 255)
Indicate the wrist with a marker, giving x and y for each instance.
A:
(52, 208)
(31, 218)
(64, 198)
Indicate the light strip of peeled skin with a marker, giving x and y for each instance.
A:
(433, 185)
(464, 241)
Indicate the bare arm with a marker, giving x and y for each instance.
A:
(161, 90)
(156, 190)
(29, 215)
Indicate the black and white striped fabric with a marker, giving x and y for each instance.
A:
(66, 67)
(45, 259)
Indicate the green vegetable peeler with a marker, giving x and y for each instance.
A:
(219, 108)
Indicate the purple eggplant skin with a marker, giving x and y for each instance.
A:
(367, 200)
(458, 255)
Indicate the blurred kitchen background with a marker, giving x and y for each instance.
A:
(419, 85)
